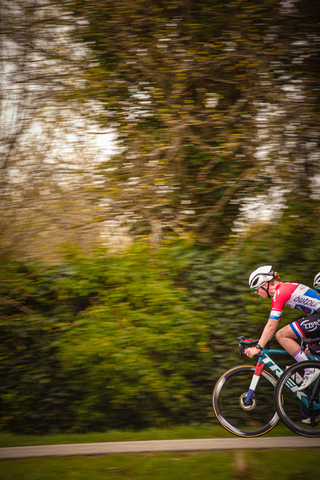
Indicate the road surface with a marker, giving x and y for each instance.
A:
(205, 444)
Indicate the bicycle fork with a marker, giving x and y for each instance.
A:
(254, 382)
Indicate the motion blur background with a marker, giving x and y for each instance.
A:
(152, 155)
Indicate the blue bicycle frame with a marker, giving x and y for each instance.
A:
(265, 359)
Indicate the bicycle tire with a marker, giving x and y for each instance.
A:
(228, 394)
(290, 408)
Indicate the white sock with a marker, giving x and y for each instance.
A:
(300, 356)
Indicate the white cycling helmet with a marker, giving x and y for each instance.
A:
(316, 281)
(261, 275)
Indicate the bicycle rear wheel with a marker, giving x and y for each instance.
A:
(228, 402)
(291, 409)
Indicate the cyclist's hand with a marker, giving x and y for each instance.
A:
(252, 351)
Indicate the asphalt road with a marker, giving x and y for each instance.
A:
(205, 444)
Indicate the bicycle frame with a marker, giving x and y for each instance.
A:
(266, 360)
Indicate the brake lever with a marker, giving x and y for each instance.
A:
(241, 349)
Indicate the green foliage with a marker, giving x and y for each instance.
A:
(132, 340)
(219, 284)
(140, 350)
(32, 391)
(103, 341)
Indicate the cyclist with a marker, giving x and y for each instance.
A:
(295, 295)
(314, 348)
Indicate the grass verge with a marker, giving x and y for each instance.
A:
(257, 465)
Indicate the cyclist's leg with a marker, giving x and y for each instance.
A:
(287, 337)
(310, 328)
(304, 327)
(307, 326)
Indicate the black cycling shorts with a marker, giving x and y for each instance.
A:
(308, 327)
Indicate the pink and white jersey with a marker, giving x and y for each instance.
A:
(294, 295)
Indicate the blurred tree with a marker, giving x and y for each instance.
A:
(35, 48)
(47, 147)
(215, 103)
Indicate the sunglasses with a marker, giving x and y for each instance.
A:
(257, 288)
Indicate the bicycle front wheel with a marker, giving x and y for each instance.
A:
(229, 395)
(296, 409)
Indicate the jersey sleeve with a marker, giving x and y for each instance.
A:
(281, 296)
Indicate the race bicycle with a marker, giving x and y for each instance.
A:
(248, 401)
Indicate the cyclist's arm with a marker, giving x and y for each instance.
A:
(268, 332)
